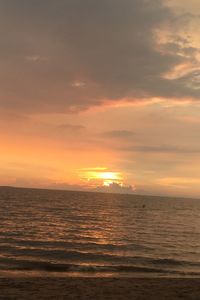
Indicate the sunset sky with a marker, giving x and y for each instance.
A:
(101, 91)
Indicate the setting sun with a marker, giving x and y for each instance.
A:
(99, 176)
(110, 177)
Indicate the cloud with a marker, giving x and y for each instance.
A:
(36, 58)
(161, 149)
(70, 127)
(94, 51)
(115, 188)
(118, 134)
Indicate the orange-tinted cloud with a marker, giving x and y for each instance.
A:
(71, 55)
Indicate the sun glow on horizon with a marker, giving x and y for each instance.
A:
(101, 176)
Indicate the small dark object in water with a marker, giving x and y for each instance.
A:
(143, 206)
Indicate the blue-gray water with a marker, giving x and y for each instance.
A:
(93, 233)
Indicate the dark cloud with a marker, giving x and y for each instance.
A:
(68, 55)
(70, 127)
(118, 134)
(161, 149)
(115, 188)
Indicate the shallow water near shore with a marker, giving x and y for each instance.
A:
(92, 234)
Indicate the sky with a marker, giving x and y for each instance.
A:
(101, 95)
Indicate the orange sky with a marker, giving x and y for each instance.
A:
(90, 95)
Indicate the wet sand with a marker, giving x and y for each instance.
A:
(99, 288)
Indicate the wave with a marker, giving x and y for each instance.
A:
(28, 265)
(74, 244)
(161, 267)
(88, 256)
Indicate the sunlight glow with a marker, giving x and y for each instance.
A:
(101, 176)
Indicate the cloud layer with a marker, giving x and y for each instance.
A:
(68, 55)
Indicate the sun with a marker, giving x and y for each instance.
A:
(102, 176)
(110, 177)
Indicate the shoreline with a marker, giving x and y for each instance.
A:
(99, 288)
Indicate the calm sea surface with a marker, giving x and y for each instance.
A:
(79, 233)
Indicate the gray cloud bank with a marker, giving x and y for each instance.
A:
(118, 134)
(115, 188)
(161, 149)
(68, 55)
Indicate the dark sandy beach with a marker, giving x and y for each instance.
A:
(99, 288)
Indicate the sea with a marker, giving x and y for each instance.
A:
(66, 233)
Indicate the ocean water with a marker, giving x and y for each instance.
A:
(94, 234)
